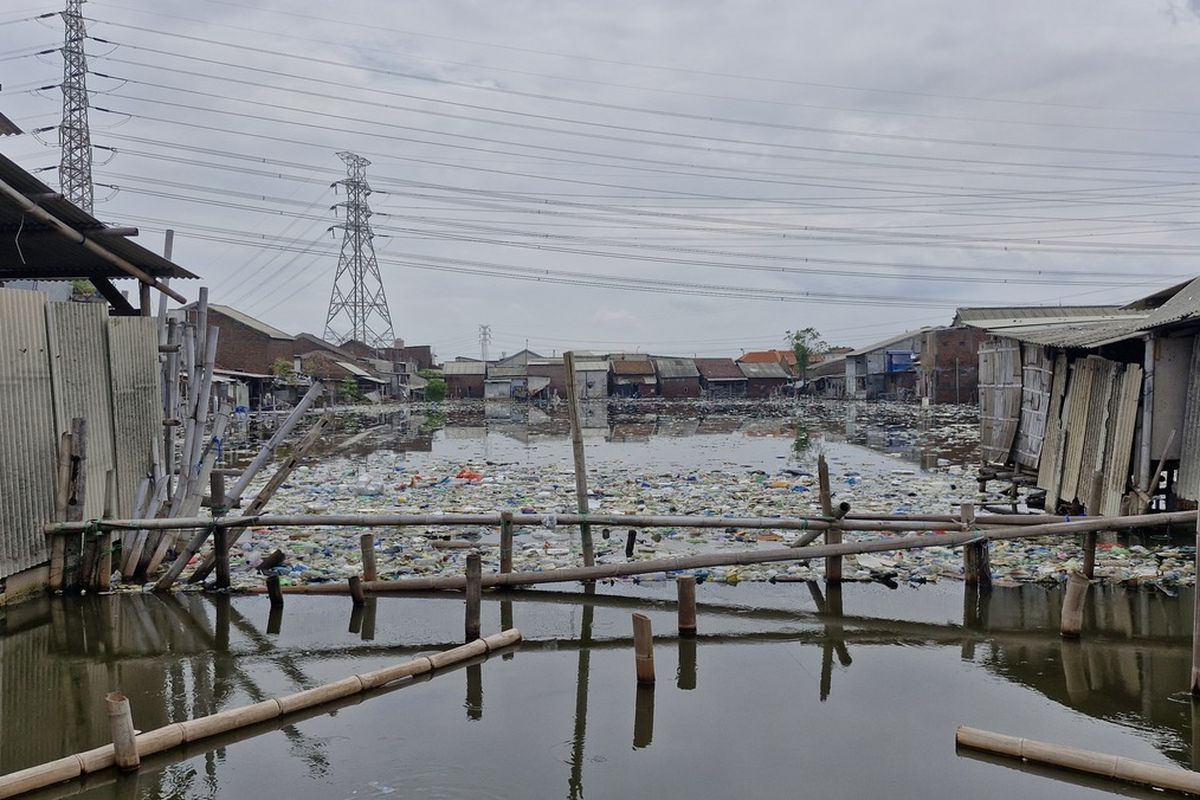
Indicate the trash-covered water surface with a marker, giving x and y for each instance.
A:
(728, 459)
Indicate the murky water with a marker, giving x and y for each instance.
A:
(789, 689)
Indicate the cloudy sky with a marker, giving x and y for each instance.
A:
(674, 177)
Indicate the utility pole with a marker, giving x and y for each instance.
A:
(485, 338)
(357, 297)
(74, 138)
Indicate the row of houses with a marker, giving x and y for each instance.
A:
(529, 376)
(264, 365)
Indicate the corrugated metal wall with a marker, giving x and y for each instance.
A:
(1188, 484)
(28, 435)
(78, 338)
(59, 361)
(136, 401)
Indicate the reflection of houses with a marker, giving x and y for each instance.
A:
(677, 377)
(1080, 399)
(763, 378)
(828, 378)
(464, 379)
(885, 370)
(632, 376)
(721, 377)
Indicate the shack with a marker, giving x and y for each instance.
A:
(949, 365)
(1076, 400)
(885, 370)
(828, 378)
(677, 377)
(327, 368)
(632, 376)
(246, 344)
(784, 358)
(591, 379)
(553, 370)
(464, 379)
(721, 377)
(764, 378)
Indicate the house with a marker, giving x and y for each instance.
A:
(334, 373)
(553, 370)
(827, 378)
(1086, 401)
(886, 369)
(464, 379)
(421, 354)
(518, 359)
(949, 367)
(764, 378)
(308, 342)
(591, 379)
(784, 358)
(632, 376)
(245, 344)
(677, 377)
(721, 377)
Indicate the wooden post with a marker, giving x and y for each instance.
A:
(1072, 610)
(62, 489)
(221, 551)
(686, 588)
(585, 529)
(506, 541)
(1089, 554)
(76, 497)
(368, 624)
(367, 543)
(826, 495)
(977, 567)
(356, 591)
(274, 591)
(104, 564)
(685, 676)
(474, 596)
(643, 716)
(630, 543)
(643, 648)
(1195, 687)
(124, 737)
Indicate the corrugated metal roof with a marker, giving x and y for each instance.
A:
(670, 368)
(762, 357)
(464, 368)
(28, 437)
(1185, 305)
(248, 321)
(41, 253)
(354, 369)
(997, 313)
(719, 369)
(591, 366)
(759, 371)
(862, 351)
(632, 367)
(506, 373)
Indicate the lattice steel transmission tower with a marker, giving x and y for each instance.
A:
(74, 138)
(485, 339)
(357, 300)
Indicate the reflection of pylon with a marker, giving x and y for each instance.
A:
(485, 338)
(357, 288)
(74, 139)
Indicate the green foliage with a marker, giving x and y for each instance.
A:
(283, 368)
(83, 288)
(435, 390)
(348, 391)
(805, 344)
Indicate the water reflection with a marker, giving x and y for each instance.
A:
(182, 656)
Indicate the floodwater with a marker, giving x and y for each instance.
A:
(789, 689)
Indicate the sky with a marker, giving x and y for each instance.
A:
(677, 178)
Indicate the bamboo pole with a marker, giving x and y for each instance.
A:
(75, 500)
(267, 492)
(506, 541)
(824, 492)
(474, 596)
(977, 568)
(366, 543)
(356, 591)
(178, 733)
(1089, 554)
(630, 542)
(105, 539)
(1109, 766)
(124, 737)
(268, 450)
(585, 529)
(685, 586)
(1072, 611)
(643, 648)
(274, 591)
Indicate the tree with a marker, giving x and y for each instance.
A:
(283, 368)
(348, 391)
(435, 388)
(805, 344)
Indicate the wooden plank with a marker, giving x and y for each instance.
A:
(1120, 453)
(76, 498)
(1050, 465)
(1074, 425)
(1037, 372)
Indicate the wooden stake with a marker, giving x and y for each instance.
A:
(585, 529)
(977, 567)
(356, 591)
(221, 551)
(630, 543)
(104, 564)
(76, 497)
(826, 496)
(1072, 611)
(686, 588)
(643, 648)
(274, 591)
(124, 737)
(366, 543)
(506, 541)
(62, 490)
(474, 596)
(1089, 554)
